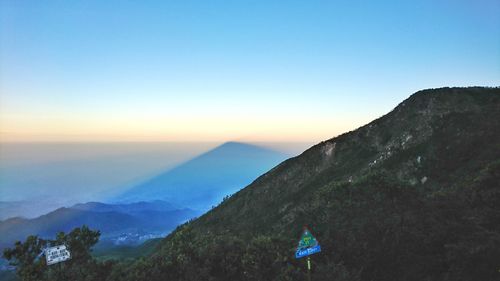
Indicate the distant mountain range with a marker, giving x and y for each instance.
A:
(130, 208)
(198, 183)
(28, 209)
(203, 181)
(119, 223)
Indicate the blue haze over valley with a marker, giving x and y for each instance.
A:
(132, 192)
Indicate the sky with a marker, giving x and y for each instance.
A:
(245, 70)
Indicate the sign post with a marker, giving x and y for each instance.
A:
(308, 245)
(56, 254)
(309, 268)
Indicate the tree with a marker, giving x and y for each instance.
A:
(30, 265)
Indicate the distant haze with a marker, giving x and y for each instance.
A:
(43, 176)
(77, 172)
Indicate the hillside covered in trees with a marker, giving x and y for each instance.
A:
(413, 195)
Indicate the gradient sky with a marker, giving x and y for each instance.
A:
(214, 70)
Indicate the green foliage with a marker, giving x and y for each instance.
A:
(23, 256)
(376, 228)
(81, 266)
(104, 252)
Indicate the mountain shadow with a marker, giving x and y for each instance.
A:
(205, 180)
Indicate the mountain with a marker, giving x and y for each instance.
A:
(130, 208)
(203, 181)
(119, 224)
(413, 195)
(27, 209)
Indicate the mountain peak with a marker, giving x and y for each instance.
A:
(234, 143)
(444, 100)
(235, 146)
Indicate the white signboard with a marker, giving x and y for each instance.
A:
(57, 254)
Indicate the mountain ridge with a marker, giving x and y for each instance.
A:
(325, 151)
(402, 198)
(111, 220)
(157, 205)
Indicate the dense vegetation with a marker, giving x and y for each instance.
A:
(414, 195)
(30, 266)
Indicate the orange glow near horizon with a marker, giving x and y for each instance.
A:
(25, 128)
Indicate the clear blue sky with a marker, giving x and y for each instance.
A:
(218, 70)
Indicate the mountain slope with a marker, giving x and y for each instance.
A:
(441, 135)
(413, 195)
(125, 252)
(203, 181)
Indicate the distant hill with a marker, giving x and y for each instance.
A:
(26, 209)
(119, 224)
(203, 181)
(129, 208)
(413, 195)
